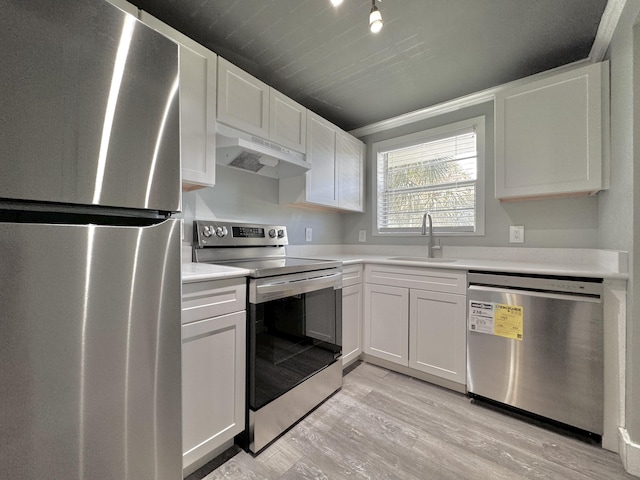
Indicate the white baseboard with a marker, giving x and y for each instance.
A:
(629, 453)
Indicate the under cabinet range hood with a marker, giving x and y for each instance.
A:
(244, 151)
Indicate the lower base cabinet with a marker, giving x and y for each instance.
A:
(386, 325)
(213, 369)
(423, 328)
(351, 313)
(438, 334)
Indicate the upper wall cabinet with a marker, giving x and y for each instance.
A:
(336, 177)
(197, 107)
(350, 161)
(551, 135)
(246, 103)
(287, 122)
(320, 185)
(243, 100)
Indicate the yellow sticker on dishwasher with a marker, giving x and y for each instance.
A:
(508, 321)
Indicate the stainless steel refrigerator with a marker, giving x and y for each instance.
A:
(89, 251)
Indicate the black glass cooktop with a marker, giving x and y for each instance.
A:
(284, 265)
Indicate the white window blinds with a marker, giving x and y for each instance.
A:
(435, 174)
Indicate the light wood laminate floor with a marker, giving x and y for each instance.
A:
(384, 425)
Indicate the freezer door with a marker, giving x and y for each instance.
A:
(88, 107)
(90, 352)
(556, 370)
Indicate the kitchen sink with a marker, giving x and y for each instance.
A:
(424, 259)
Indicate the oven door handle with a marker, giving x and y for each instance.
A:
(260, 293)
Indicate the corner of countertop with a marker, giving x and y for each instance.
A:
(199, 272)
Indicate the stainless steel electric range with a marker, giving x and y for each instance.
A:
(294, 324)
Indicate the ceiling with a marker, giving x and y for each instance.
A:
(428, 52)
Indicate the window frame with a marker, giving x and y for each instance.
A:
(431, 134)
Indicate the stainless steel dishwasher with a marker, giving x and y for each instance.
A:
(536, 343)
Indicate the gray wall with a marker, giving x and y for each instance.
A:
(569, 222)
(245, 196)
(620, 205)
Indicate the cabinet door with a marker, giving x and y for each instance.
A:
(243, 100)
(212, 298)
(549, 135)
(321, 152)
(287, 122)
(350, 161)
(197, 107)
(213, 384)
(437, 332)
(197, 118)
(351, 323)
(386, 325)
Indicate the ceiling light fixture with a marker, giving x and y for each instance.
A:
(375, 18)
(336, 3)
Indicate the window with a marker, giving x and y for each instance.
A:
(440, 171)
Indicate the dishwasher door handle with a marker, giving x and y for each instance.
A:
(531, 293)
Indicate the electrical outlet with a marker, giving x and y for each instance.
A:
(308, 234)
(362, 236)
(516, 234)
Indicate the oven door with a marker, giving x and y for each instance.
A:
(295, 325)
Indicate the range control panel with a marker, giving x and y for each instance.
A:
(213, 233)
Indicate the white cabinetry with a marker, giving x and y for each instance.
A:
(243, 100)
(437, 334)
(350, 162)
(197, 107)
(351, 313)
(552, 135)
(287, 122)
(246, 103)
(213, 368)
(336, 177)
(386, 324)
(321, 151)
(416, 318)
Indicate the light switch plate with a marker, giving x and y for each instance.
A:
(308, 234)
(362, 236)
(516, 234)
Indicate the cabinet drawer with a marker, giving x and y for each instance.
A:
(351, 275)
(212, 298)
(434, 279)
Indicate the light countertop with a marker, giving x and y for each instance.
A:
(574, 262)
(197, 272)
(562, 262)
(511, 266)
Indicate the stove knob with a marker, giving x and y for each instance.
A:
(272, 233)
(221, 231)
(207, 231)
(280, 233)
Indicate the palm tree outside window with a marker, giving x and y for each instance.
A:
(440, 171)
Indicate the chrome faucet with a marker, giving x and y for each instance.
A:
(424, 232)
